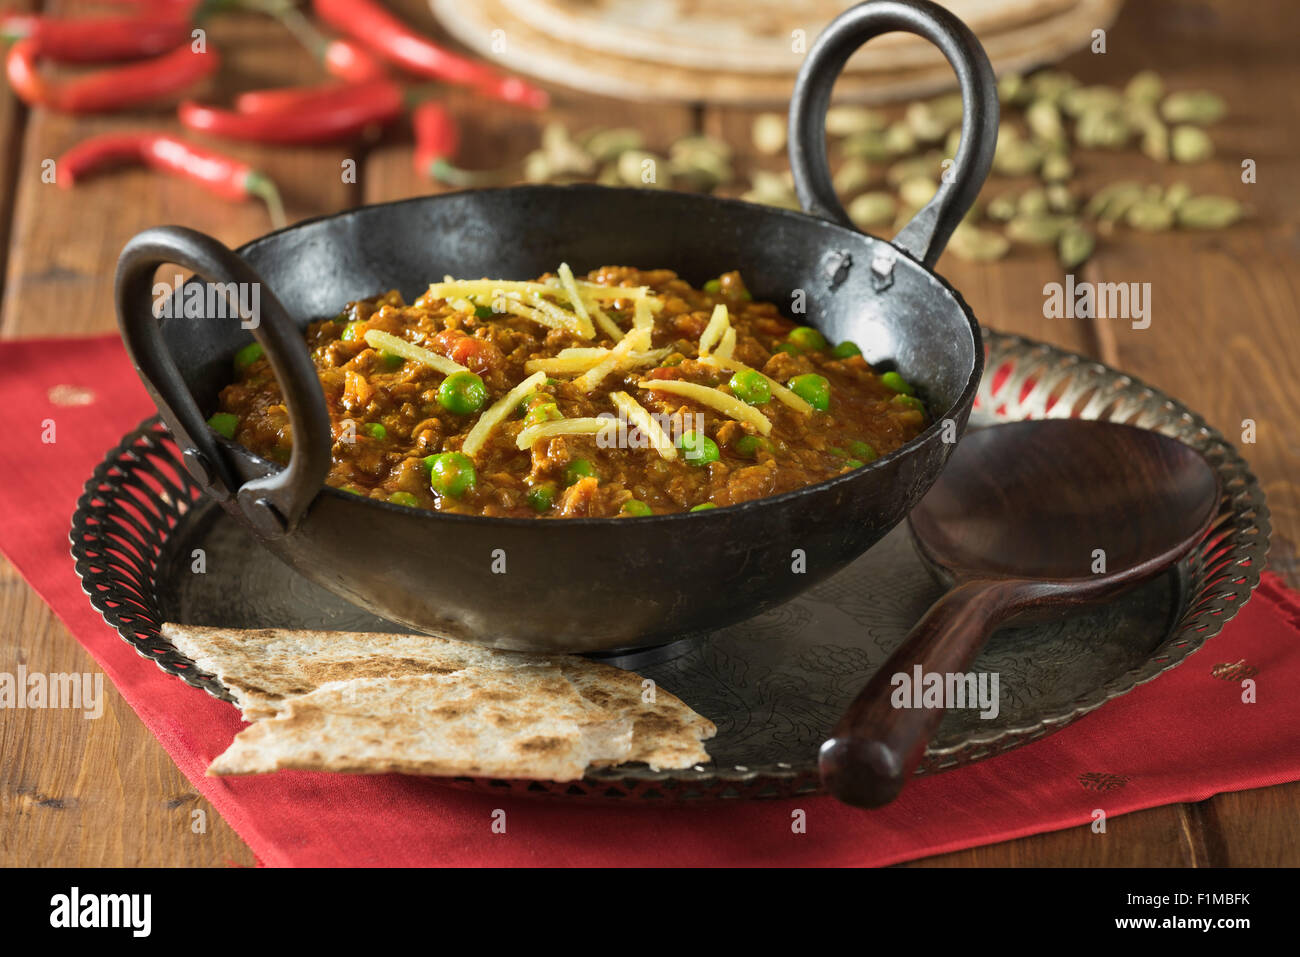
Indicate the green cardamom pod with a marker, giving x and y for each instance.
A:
(1193, 106)
(867, 145)
(977, 245)
(605, 145)
(851, 120)
(1155, 142)
(1101, 128)
(769, 133)
(1051, 85)
(1059, 198)
(899, 139)
(872, 209)
(928, 165)
(1002, 208)
(1112, 202)
(1088, 99)
(1036, 230)
(1016, 157)
(1044, 121)
(1012, 89)
(853, 175)
(1190, 144)
(1056, 168)
(1209, 212)
(1145, 87)
(1149, 215)
(917, 190)
(1032, 202)
(1075, 246)
(1176, 195)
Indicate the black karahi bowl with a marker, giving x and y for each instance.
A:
(581, 585)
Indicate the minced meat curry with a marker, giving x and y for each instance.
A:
(628, 393)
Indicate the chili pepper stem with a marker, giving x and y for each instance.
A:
(260, 185)
(443, 171)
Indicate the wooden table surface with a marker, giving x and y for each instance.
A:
(1224, 338)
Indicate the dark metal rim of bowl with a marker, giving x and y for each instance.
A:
(139, 493)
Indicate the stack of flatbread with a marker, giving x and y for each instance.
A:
(748, 51)
(415, 704)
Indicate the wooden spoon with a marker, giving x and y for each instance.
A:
(1028, 517)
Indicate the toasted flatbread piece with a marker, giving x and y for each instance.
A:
(666, 733)
(262, 667)
(527, 724)
(266, 668)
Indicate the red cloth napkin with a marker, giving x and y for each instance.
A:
(1182, 737)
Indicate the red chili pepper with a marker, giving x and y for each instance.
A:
(223, 175)
(282, 99)
(107, 90)
(98, 39)
(437, 140)
(348, 61)
(370, 23)
(344, 115)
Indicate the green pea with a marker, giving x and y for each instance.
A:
(552, 382)
(375, 430)
(224, 423)
(352, 332)
(699, 449)
(713, 285)
(636, 507)
(813, 389)
(909, 401)
(462, 393)
(854, 463)
(836, 451)
(703, 507)
(863, 451)
(451, 473)
(404, 498)
(789, 347)
(896, 382)
(482, 312)
(750, 445)
(542, 412)
(351, 490)
(246, 356)
(579, 469)
(391, 360)
(846, 350)
(751, 387)
(675, 359)
(806, 337)
(542, 497)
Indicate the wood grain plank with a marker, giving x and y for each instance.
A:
(90, 793)
(1225, 305)
(1156, 837)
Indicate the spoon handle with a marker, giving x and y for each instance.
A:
(877, 744)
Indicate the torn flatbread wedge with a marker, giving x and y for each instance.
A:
(529, 723)
(261, 667)
(264, 669)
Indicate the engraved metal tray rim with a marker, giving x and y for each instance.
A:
(117, 550)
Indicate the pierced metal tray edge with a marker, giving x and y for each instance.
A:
(1034, 380)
